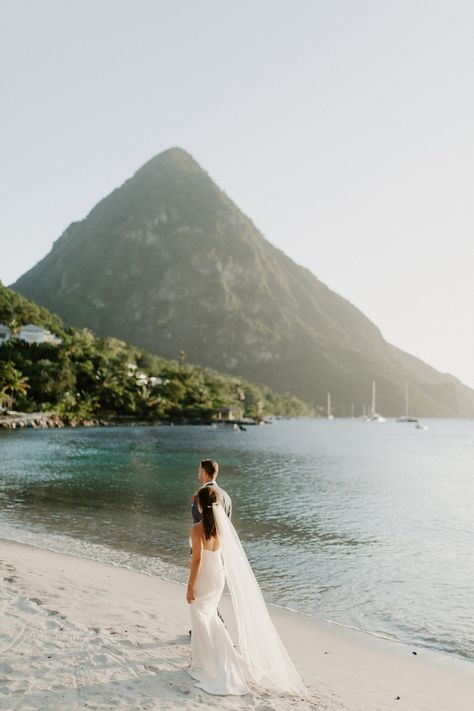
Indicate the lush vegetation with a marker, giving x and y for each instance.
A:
(87, 377)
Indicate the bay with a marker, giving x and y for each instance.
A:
(368, 525)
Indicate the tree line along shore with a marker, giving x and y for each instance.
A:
(76, 378)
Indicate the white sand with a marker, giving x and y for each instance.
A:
(78, 634)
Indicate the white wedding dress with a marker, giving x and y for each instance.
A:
(215, 663)
(261, 658)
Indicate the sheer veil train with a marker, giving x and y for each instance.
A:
(266, 660)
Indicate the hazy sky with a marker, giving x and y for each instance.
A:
(343, 129)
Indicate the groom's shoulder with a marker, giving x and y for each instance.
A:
(219, 487)
(226, 500)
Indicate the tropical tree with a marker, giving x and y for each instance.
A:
(12, 384)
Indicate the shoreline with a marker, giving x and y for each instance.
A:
(51, 420)
(168, 577)
(77, 631)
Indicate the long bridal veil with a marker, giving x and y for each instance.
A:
(266, 659)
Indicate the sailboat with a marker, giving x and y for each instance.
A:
(406, 417)
(374, 416)
(330, 416)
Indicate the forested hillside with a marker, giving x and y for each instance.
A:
(85, 376)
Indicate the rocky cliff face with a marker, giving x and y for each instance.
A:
(169, 263)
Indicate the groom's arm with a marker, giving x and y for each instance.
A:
(197, 518)
(228, 506)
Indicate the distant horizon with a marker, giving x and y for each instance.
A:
(343, 132)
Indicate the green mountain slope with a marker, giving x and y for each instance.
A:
(441, 385)
(86, 376)
(168, 262)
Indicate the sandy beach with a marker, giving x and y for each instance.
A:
(78, 634)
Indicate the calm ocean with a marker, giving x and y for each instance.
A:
(369, 525)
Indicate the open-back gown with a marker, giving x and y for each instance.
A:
(215, 663)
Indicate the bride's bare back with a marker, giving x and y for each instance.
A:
(197, 534)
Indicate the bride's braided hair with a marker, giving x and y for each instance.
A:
(207, 496)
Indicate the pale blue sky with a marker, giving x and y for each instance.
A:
(343, 129)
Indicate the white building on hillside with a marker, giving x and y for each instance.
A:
(5, 333)
(37, 334)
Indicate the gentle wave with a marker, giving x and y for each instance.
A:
(156, 567)
(93, 551)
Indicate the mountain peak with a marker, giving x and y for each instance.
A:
(168, 262)
(174, 158)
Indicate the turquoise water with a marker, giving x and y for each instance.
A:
(369, 525)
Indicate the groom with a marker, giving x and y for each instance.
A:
(208, 471)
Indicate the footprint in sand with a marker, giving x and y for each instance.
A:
(150, 667)
(55, 613)
(36, 600)
(100, 659)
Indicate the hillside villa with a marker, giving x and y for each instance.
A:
(30, 333)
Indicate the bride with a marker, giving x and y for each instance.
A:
(217, 556)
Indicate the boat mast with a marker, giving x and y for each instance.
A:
(373, 399)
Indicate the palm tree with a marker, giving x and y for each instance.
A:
(12, 384)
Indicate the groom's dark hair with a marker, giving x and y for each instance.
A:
(210, 467)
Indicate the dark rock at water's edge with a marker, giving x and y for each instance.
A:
(43, 420)
(169, 263)
(12, 420)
